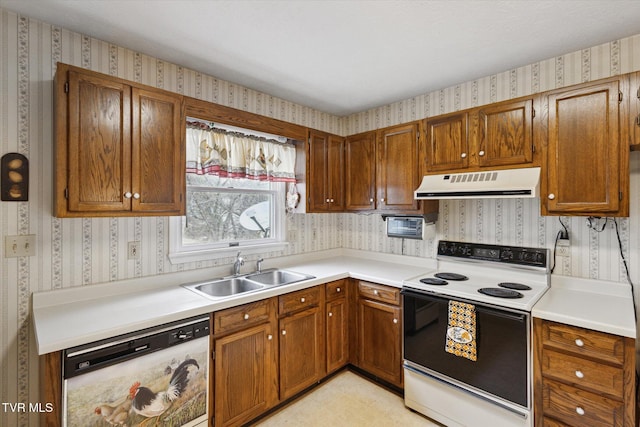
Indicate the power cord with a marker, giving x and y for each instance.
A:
(562, 234)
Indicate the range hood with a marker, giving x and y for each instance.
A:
(496, 184)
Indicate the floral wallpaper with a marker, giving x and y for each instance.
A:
(81, 252)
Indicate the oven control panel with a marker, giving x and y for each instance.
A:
(535, 257)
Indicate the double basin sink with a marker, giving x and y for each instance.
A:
(230, 286)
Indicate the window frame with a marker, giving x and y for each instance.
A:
(178, 253)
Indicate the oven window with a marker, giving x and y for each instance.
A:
(501, 340)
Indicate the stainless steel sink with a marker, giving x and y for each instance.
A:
(275, 277)
(224, 287)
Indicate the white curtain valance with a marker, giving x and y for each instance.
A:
(233, 155)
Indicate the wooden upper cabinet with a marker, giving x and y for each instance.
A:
(397, 173)
(119, 147)
(158, 126)
(635, 111)
(503, 134)
(587, 155)
(325, 172)
(447, 146)
(360, 175)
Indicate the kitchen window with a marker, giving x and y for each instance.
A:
(235, 199)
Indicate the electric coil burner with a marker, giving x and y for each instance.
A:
(514, 286)
(500, 292)
(451, 276)
(434, 281)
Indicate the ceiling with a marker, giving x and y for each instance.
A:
(343, 57)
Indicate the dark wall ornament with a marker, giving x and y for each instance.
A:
(14, 178)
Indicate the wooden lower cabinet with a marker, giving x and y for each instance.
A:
(245, 366)
(337, 325)
(245, 375)
(301, 340)
(380, 332)
(582, 377)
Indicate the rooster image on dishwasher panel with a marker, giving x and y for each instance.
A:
(165, 388)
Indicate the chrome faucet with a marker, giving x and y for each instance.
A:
(259, 265)
(237, 264)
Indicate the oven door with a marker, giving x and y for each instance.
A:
(502, 343)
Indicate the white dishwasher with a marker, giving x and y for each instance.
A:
(158, 376)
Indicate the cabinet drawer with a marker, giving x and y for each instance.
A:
(379, 292)
(241, 317)
(335, 290)
(583, 373)
(577, 407)
(298, 300)
(584, 342)
(549, 422)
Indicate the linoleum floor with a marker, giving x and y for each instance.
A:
(347, 400)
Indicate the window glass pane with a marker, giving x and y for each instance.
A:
(219, 216)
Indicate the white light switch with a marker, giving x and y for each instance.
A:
(16, 246)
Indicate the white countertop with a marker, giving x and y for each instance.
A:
(75, 316)
(592, 304)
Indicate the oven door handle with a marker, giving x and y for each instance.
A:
(504, 314)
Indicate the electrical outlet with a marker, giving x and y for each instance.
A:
(133, 250)
(17, 246)
(563, 248)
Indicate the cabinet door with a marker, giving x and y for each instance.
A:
(246, 383)
(635, 111)
(317, 171)
(335, 172)
(337, 334)
(360, 163)
(398, 171)
(99, 144)
(158, 160)
(584, 157)
(301, 351)
(504, 134)
(447, 142)
(379, 329)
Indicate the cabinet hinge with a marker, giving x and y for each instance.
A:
(533, 113)
(533, 148)
(66, 87)
(638, 92)
(620, 196)
(66, 193)
(213, 355)
(619, 97)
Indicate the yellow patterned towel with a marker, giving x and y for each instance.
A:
(461, 330)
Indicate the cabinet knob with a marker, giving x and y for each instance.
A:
(579, 411)
(551, 196)
(246, 316)
(330, 314)
(269, 337)
(579, 342)
(302, 299)
(127, 195)
(481, 153)
(338, 290)
(381, 200)
(284, 332)
(331, 200)
(371, 200)
(395, 320)
(375, 292)
(327, 200)
(136, 196)
(463, 155)
(579, 374)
